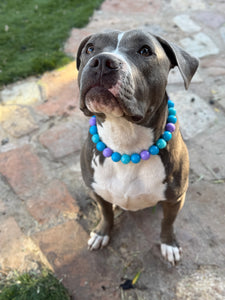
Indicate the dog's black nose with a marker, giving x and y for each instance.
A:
(105, 63)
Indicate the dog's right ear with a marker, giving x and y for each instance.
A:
(82, 44)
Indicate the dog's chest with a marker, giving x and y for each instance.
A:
(132, 186)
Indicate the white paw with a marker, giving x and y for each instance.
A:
(97, 241)
(172, 254)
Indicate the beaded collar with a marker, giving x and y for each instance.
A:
(144, 154)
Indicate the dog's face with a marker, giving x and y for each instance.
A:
(124, 74)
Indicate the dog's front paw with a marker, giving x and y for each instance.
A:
(97, 241)
(171, 253)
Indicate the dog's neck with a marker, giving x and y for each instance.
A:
(124, 136)
(157, 119)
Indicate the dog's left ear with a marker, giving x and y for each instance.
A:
(186, 63)
(81, 46)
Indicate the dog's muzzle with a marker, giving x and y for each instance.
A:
(108, 87)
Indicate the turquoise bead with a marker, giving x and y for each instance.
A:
(95, 138)
(161, 143)
(135, 158)
(167, 135)
(93, 129)
(116, 157)
(154, 150)
(100, 146)
(125, 159)
(170, 103)
(172, 111)
(172, 119)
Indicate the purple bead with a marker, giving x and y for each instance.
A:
(107, 152)
(170, 127)
(92, 121)
(145, 155)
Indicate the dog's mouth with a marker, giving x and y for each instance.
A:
(100, 100)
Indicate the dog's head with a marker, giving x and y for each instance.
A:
(125, 73)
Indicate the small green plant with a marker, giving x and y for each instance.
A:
(31, 286)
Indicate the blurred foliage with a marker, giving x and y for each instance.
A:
(31, 286)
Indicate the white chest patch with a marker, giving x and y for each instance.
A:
(132, 186)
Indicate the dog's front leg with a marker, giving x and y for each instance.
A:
(100, 236)
(170, 248)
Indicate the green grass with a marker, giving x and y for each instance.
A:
(30, 286)
(32, 34)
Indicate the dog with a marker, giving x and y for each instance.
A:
(127, 160)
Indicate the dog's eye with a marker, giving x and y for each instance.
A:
(90, 49)
(145, 51)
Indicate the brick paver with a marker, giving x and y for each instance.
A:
(45, 211)
(23, 170)
(62, 139)
(53, 204)
(18, 252)
(60, 91)
(17, 121)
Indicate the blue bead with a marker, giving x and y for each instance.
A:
(116, 157)
(135, 158)
(172, 111)
(167, 135)
(161, 143)
(93, 129)
(154, 150)
(95, 138)
(125, 159)
(172, 119)
(100, 146)
(170, 103)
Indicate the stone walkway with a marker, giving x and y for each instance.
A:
(45, 212)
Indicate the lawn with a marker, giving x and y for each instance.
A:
(32, 34)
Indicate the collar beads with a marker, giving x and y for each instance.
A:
(135, 158)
